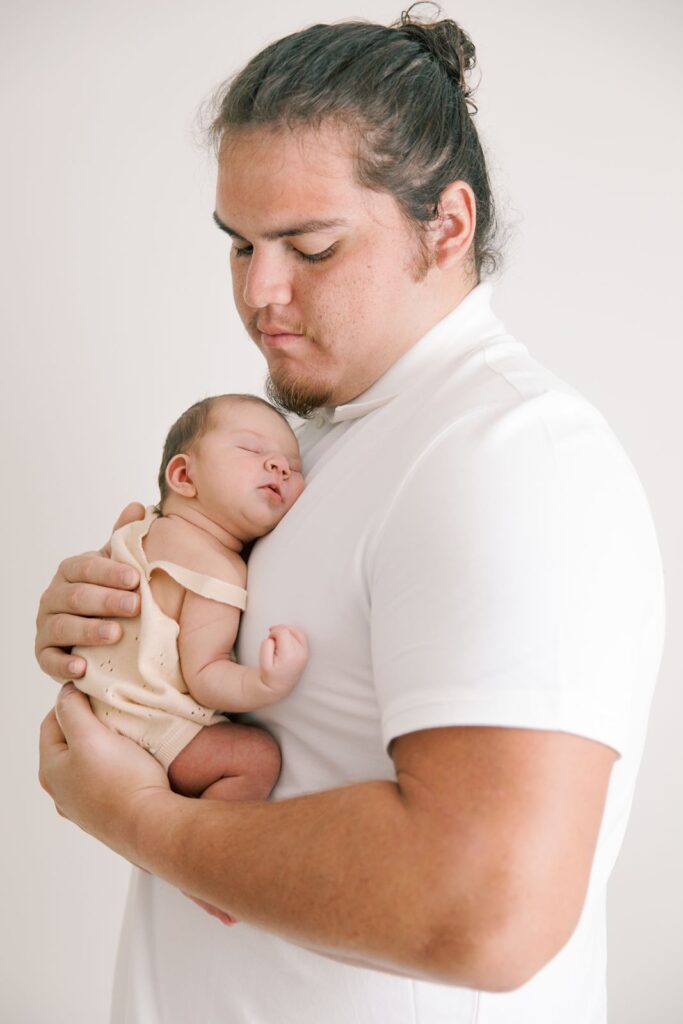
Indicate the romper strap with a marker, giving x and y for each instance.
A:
(205, 586)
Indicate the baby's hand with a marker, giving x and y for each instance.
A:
(283, 657)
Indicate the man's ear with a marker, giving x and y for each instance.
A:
(453, 230)
(178, 476)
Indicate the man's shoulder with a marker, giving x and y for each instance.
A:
(497, 391)
(500, 424)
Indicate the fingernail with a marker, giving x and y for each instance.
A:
(127, 603)
(107, 631)
(128, 578)
(76, 666)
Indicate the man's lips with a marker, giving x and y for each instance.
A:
(275, 336)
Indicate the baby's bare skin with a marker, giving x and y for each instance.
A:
(226, 761)
(208, 629)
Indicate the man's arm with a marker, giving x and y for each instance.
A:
(470, 869)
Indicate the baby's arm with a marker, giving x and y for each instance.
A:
(207, 635)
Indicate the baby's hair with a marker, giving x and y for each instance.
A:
(190, 428)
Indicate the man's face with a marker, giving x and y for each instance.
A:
(325, 272)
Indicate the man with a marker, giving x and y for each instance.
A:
(474, 564)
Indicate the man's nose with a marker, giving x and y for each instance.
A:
(279, 464)
(267, 282)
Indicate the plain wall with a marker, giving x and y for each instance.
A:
(116, 314)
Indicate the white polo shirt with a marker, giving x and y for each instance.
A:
(473, 547)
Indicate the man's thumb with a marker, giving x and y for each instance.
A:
(130, 514)
(74, 713)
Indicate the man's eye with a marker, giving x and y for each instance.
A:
(316, 257)
(309, 257)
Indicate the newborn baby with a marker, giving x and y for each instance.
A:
(229, 472)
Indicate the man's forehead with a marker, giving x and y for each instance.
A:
(273, 179)
(327, 148)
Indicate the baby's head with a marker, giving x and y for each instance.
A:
(235, 459)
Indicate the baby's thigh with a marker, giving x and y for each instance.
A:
(247, 756)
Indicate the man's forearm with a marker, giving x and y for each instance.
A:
(469, 869)
(342, 872)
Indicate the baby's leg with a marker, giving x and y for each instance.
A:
(227, 761)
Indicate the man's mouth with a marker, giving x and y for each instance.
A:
(277, 335)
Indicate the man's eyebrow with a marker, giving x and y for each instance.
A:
(308, 227)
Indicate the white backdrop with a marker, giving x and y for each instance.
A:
(116, 314)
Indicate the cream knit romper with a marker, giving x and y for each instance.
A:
(136, 686)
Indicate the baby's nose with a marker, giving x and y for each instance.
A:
(278, 462)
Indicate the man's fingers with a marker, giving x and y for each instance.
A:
(51, 734)
(60, 631)
(92, 599)
(94, 568)
(69, 630)
(130, 514)
(62, 667)
(75, 614)
(85, 585)
(52, 744)
(210, 909)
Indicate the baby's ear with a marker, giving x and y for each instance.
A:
(178, 477)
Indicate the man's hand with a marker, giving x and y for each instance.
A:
(74, 608)
(220, 915)
(97, 778)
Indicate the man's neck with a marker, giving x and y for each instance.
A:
(434, 309)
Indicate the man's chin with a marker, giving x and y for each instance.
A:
(296, 396)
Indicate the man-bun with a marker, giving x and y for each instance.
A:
(444, 40)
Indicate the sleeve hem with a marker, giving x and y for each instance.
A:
(509, 710)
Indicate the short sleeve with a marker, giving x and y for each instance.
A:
(515, 580)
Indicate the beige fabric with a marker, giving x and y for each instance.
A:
(136, 687)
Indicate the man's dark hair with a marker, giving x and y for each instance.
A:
(403, 88)
(190, 428)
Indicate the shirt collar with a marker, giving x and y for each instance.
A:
(460, 330)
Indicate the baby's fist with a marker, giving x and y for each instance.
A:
(283, 657)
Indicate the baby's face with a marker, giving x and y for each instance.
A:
(247, 468)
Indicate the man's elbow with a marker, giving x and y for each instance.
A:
(500, 958)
